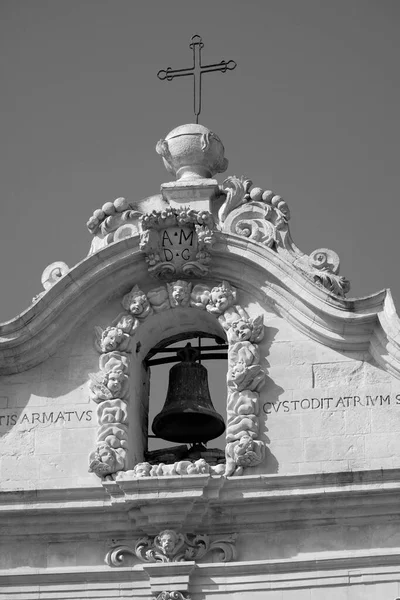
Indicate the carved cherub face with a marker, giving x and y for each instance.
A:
(241, 331)
(178, 293)
(142, 469)
(168, 541)
(114, 381)
(107, 456)
(237, 372)
(103, 461)
(221, 298)
(138, 303)
(111, 338)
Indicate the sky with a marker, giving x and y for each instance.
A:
(311, 112)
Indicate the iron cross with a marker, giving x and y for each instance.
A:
(196, 70)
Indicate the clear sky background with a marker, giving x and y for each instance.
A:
(311, 112)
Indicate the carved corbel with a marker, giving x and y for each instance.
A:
(171, 547)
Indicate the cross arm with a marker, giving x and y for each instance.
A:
(221, 66)
(169, 73)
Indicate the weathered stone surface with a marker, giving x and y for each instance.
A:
(311, 482)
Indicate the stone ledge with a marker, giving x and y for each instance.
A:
(332, 569)
(211, 504)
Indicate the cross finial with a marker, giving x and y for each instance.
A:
(196, 70)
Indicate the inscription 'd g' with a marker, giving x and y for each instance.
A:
(178, 244)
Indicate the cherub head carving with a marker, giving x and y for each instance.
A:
(179, 293)
(247, 452)
(167, 541)
(112, 338)
(105, 386)
(103, 461)
(137, 304)
(115, 380)
(142, 469)
(242, 376)
(221, 298)
(247, 330)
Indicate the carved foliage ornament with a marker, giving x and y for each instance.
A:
(263, 217)
(176, 241)
(169, 546)
(109, 388)
(324, 267)
(173, 596)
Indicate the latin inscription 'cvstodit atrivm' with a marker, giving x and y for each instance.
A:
(333, 403)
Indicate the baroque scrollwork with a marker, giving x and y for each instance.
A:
(109, 388)
(177, 241)
(173, 595)
(169, 546)
(254, 213)
(262, 216)
(324, 266)
(50, 276)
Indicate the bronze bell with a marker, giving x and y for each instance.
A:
(188, 415)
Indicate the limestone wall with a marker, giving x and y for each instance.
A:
(47, 422)
(325, 410)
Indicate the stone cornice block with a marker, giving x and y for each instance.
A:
(197, 193)
(169, 576)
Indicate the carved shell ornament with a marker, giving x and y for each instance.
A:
(109, 388)
(263, 217)
(169, 546)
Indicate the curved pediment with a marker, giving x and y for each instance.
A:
(364, 324)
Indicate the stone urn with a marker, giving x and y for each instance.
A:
(192, 152)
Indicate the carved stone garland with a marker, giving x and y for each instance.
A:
(263, 216)
(173, 596)
(169, 546)
(109, 388)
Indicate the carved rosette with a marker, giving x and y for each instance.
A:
(110, 387)
(177, 241)
(169, 546)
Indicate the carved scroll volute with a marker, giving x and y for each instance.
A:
(324, 265)
(258, 215)
(169, 546)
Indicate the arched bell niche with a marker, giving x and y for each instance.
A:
(176, 325)
(122, 387)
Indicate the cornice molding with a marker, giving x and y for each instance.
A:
(232, 505)
(363, 324)
(332, 569)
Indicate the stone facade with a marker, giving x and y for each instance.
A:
(306, 503)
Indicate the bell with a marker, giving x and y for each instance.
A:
(188, 415)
